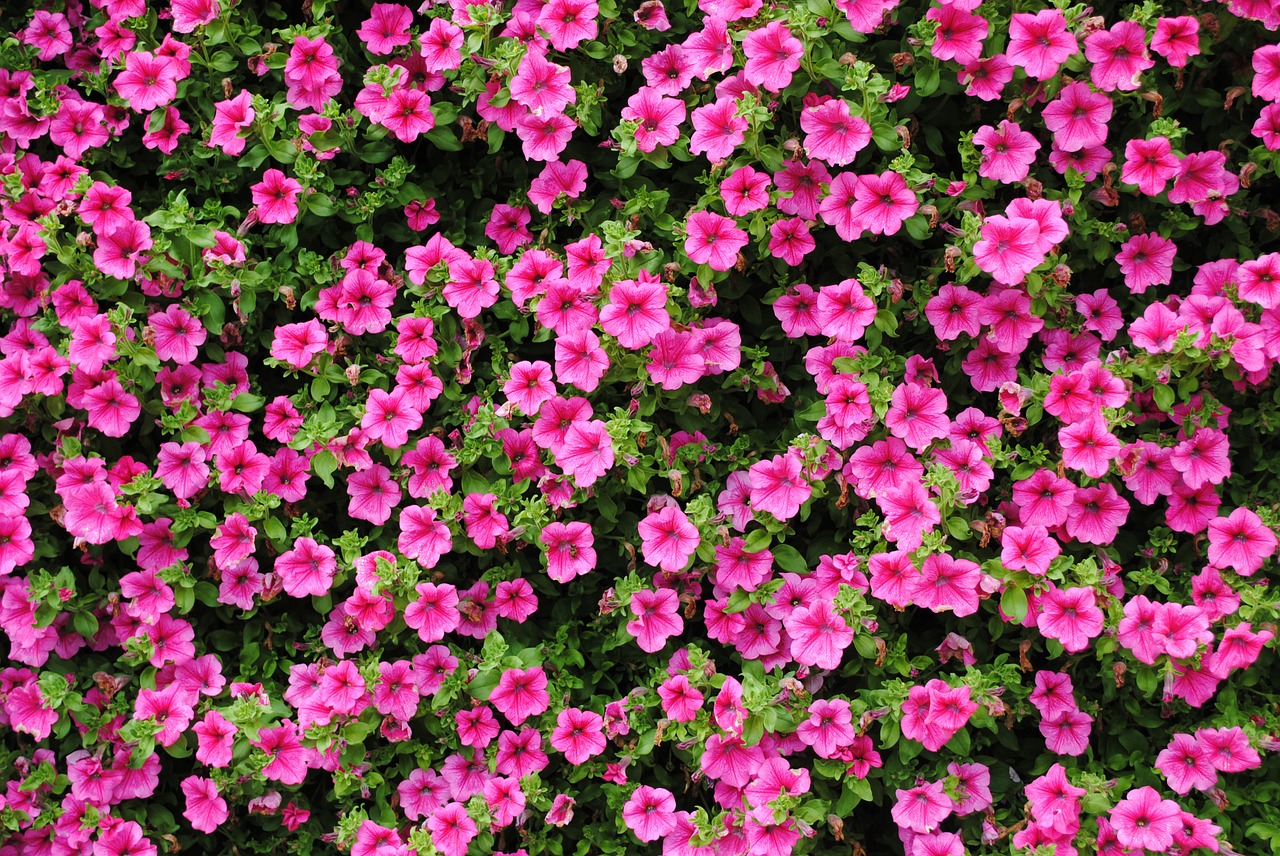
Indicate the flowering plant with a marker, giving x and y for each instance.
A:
(572, 426)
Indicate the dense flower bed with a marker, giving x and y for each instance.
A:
(579, 427)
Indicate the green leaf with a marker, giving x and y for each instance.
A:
(444, 139)
(85, 624)
(247, 402)
(1013, 603)
(789, 559)
(274, 529)
(738, 602)
(323, 464)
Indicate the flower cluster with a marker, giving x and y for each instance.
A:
(732, 428)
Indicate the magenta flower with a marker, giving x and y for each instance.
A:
(1067, 733)
(959, 34)
(529, 386)
(373, 494)
(543, 86)
(744, 191)
(680, 701)
(676, 359)
(389, 418)
(918, 415)
(408, 114)
(215, 739)
(650, 813)
(1177, 39)
(386, 28)
(169, 708)
(472, 286)
(422, 536)
(147, 82)
(1185, 765)
(120, 251)
(773, 56)
(1071, 616)
(451, 829)
(986, 78)
(1146, 260)
(819, 635)
(952, 311)
(520, 754)
(231, 117)
(49, 33)
(276, 197)
(1239, 648)
(28, 711)
(1040, 43)
(882, 203)
(570, 550)
(520, 694)
(206, 809)
(1145, 821)
(922, 808)
(713, 240)
(579, 734)
(307, 569)
(1240, 542)
(1078, 117)
(1089, 446)
(948, 584)
(1007, 153)
(1029, 548)
(717, 130)
(829, 727)
(1009, 248)
(844, 310)
(568, 23)
(657, 118)
(730, 760)
(1053, 695)
(586, 453)
(1055, 802)
(1150, 164)
(1267, 127)
(790, 241)
(1118, 56)
(669, 539)
(779, 487)
(1259, 280)
(544, 137)
(657, 617)
(1228, 749)
(636, 311)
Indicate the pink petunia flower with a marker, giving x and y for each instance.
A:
(579, 734)
(713, 240)
(921, 808)
(778, 486)
(206, 809)
(657, 618)
(669, 539)
(1071, 616)
(1040, 43)
(1145, 821)
(1240, 542)
(650, 813)
(773, 56)
(1146, 260)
